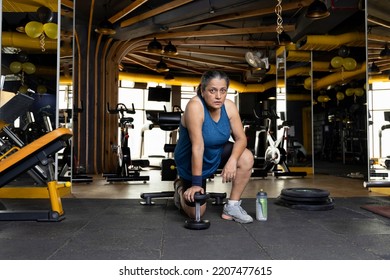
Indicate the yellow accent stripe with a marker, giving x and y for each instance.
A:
(30, 192)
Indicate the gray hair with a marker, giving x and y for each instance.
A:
(208, 76)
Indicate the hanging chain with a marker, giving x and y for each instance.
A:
(279, 19)
(42, 41)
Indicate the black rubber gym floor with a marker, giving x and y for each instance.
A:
(97, 229)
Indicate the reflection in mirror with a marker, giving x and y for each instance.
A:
(65, 99)
(337, 83)
(270, 129)
(298, 108)
(29, 69)
(66, 111)
(258, 111)
(378, 29)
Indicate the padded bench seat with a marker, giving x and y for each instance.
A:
(37, 152)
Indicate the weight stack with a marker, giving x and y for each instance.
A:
(309, 199)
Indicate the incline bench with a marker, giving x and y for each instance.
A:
(39, 152)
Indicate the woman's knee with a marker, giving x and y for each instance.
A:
(246, 160)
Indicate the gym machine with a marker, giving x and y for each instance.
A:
(39, 152)
(127, 169)
(380, 167)
(275, 153)
(37, 157)
(9, 141)
(167, 121)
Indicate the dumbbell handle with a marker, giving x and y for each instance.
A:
(198, 197)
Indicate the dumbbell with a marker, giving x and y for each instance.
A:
(198, 224)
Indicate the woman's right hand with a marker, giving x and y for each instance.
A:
(190, 193)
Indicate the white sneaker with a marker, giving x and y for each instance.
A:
(236, 212)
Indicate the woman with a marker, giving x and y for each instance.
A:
(203, 146)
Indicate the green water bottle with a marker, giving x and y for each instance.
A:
(261, 206)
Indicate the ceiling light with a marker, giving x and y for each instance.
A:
(317, 10)
(162, 67)
(385, 53)
(105, 28)
(170, 49)
(374, 69)
(155, 46)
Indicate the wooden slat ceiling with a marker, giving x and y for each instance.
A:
(216, 33)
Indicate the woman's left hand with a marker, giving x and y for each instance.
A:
(229, 171)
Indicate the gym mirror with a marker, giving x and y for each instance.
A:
(337, 79)
(67, 112)
(298, 108)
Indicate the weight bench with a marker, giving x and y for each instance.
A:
(39, 152)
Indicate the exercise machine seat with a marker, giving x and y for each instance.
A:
(169, 121)
(37, 152)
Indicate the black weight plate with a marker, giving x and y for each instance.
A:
(326, 201)
(304, 199)
(308, 207)
(320, 207)
(305, 192)
(192, 224)
(306, 202)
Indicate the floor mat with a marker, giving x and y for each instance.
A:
(383, 210)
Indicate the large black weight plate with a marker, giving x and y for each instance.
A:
(192, 224)
(314, 207)
(328, 205)
(304, 199)
(305, 192)
(289, 202)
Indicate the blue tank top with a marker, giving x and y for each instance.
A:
(215, 135)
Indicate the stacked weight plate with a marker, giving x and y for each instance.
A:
(310, 199)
